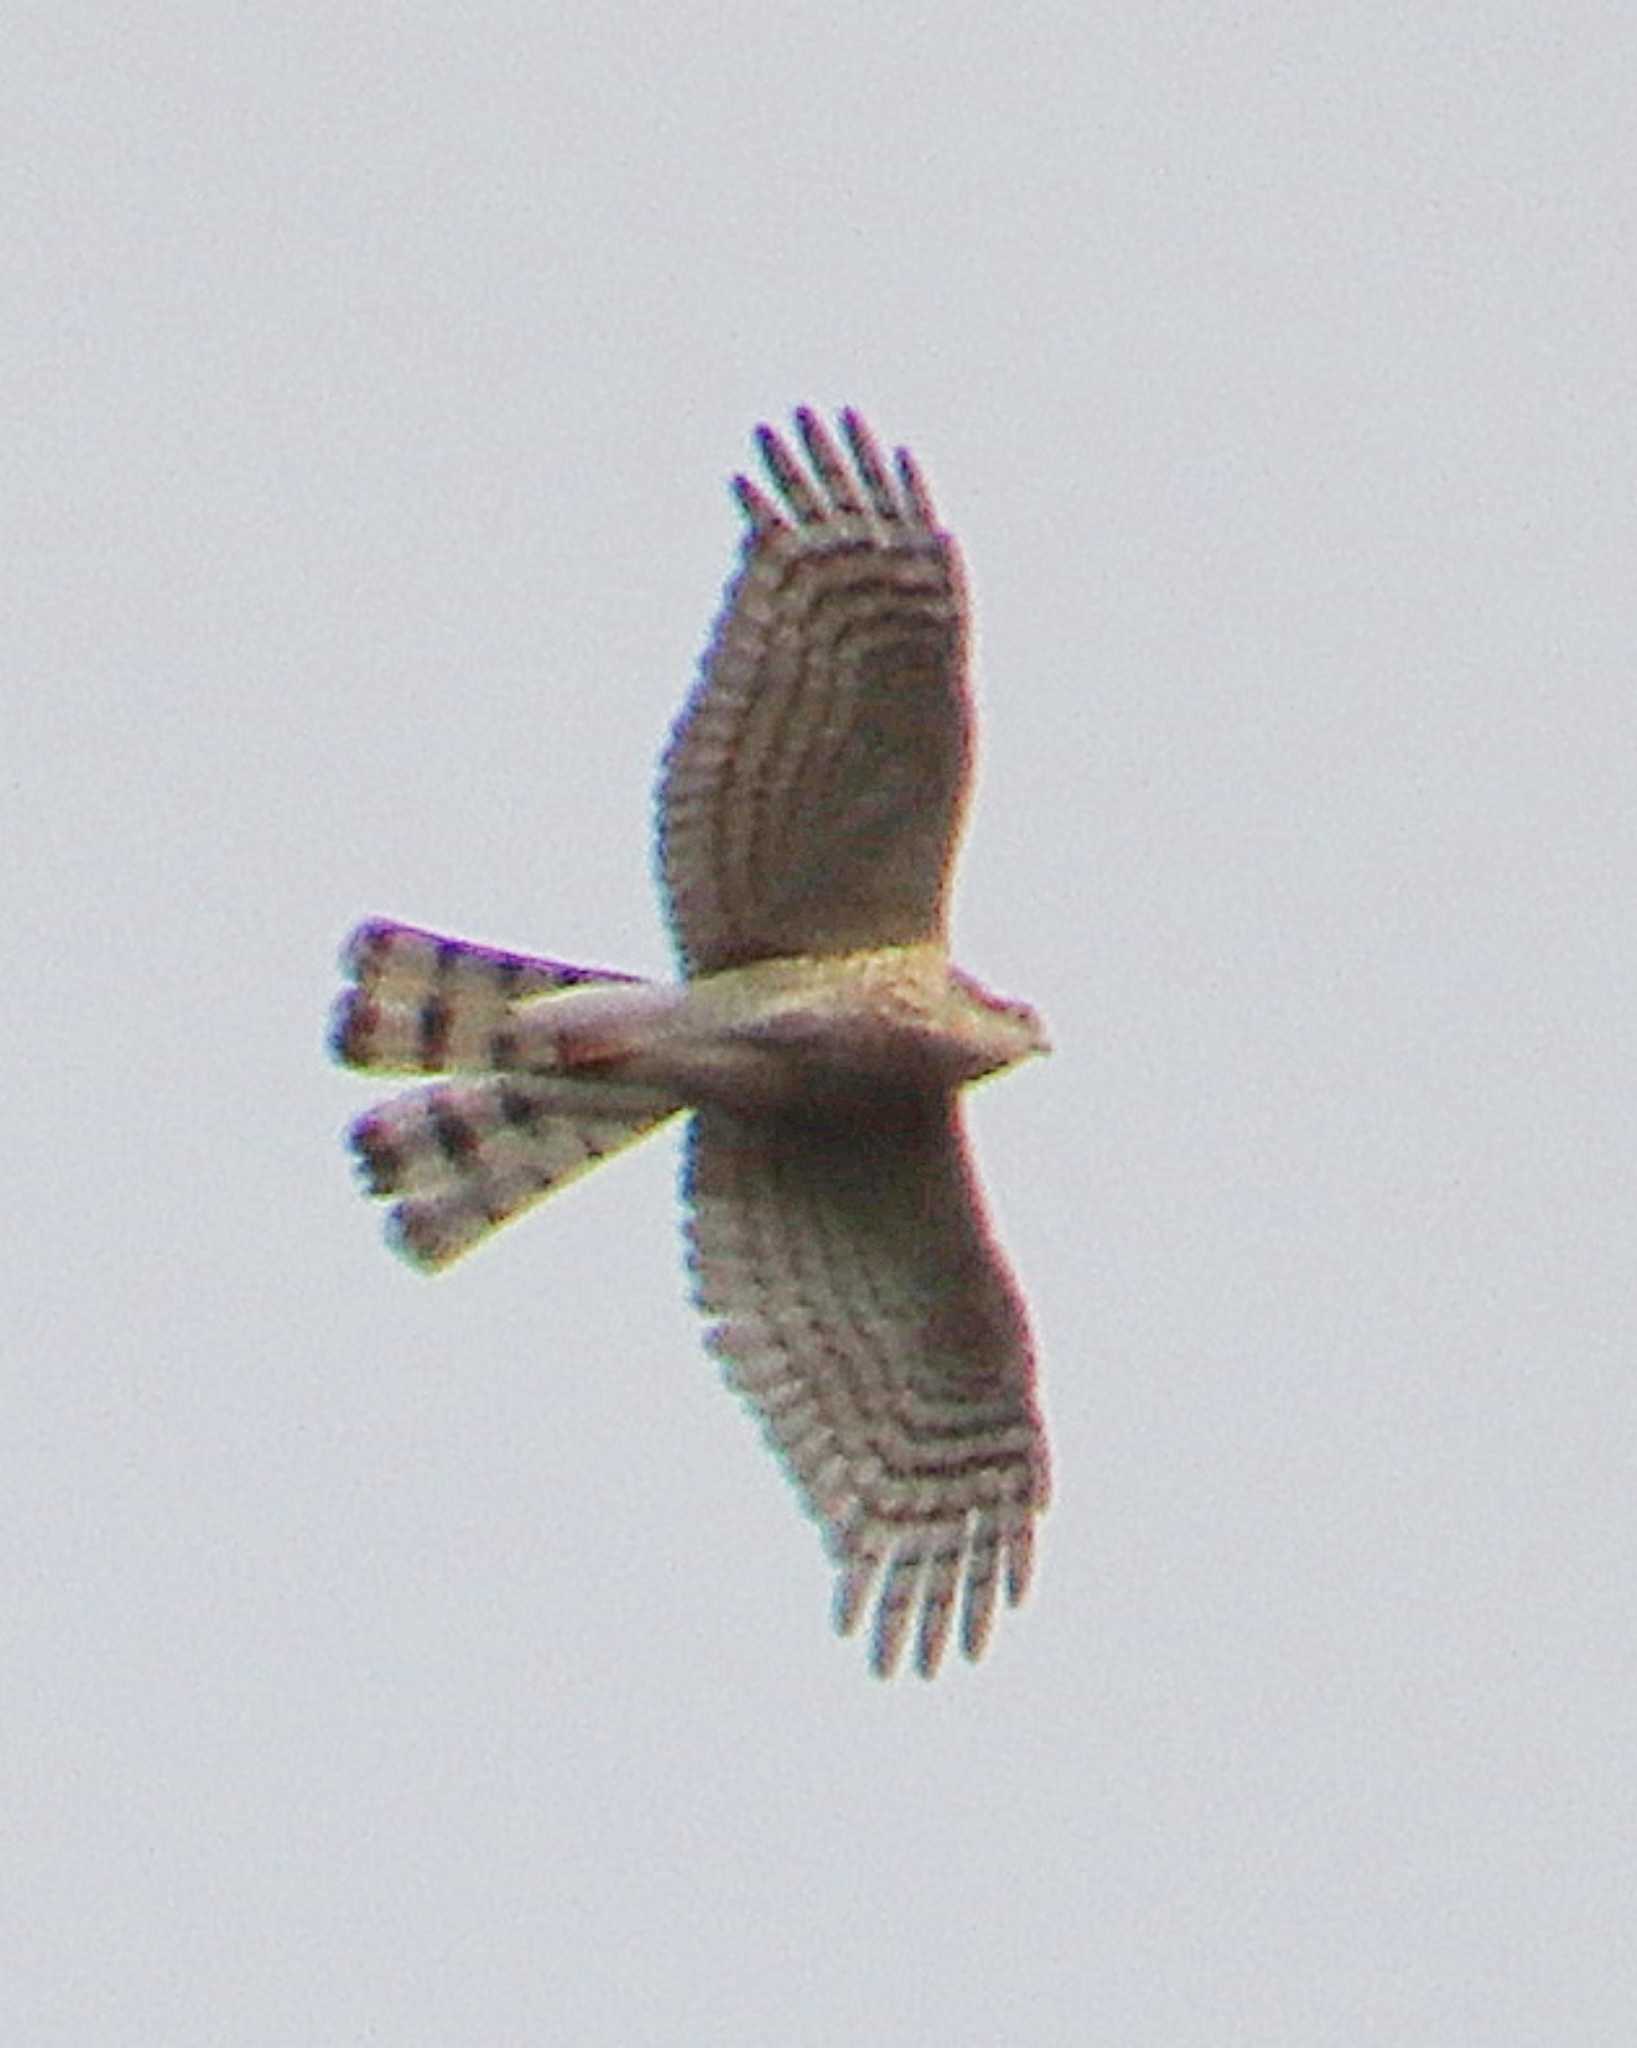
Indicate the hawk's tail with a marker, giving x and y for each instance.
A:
(421, 1004)
(462, 1157)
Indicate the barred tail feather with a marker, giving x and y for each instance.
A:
(464, 1157)
(421, 1003)
(459, 1158)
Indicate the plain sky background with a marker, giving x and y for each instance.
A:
(405, 1662)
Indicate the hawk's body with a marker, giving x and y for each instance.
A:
(809, 808)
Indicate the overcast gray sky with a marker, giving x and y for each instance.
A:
(397, 1661)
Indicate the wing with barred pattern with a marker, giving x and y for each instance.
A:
(864, 1310)
(812, 792)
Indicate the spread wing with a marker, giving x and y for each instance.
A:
(811, 795)
(866, 1313)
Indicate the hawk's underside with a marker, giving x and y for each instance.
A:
(809, 806)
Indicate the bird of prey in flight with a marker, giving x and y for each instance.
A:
(817, 1039)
